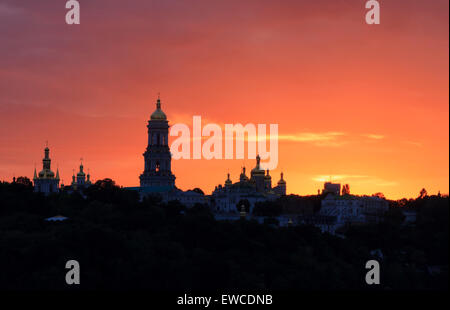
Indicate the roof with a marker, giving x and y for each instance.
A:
(56, 218)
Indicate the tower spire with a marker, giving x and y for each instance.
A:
(158, 103)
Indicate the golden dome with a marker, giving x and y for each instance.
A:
(158, 114)
(46, 174)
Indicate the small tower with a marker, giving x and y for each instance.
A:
(267, 181)
(81, 176)
(74, 181)
(46, 182)
(257, 175)
(243, 177)
(281, 188)
(88, 179)
(228, 182)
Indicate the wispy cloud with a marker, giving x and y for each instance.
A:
(373, 136)
(354, 179)
(337, 177)
(322, 139)
(312, 136)
(417, 144)
(329, 138)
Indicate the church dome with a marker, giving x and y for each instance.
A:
(158, 114)
(81, 172)
(46, 174)
(257, 170)
(281, 181)
(228, 181)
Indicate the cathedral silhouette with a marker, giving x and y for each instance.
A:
(158, 179)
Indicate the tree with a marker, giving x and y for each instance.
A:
(198, 190)
(379, 195)
(346, 189)
(24, 181)
(106, 184)
(423, 193)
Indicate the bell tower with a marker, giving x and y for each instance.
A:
(157, 157)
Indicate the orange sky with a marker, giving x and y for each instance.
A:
(366, 105)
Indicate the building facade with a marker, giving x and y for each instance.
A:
(257, 188)
(82, 180)
(350, 209)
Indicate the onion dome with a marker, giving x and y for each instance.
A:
(46, 174)
(88, 180)
(228, 181)
(267, 176)
(282, 181)
(257, 170)
(81, 172)
(243, 177)
(158, 114)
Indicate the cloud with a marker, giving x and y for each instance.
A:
(321, 139)
(311, 136)
(374, 136)
(354, 179)
(329, 138)
(418, 144)
(337, 177)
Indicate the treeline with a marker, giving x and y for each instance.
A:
(124, 243)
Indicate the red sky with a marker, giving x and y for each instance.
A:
(367, 105)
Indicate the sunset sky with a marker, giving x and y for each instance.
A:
(366, 105)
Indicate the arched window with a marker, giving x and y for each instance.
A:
(157, 167)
